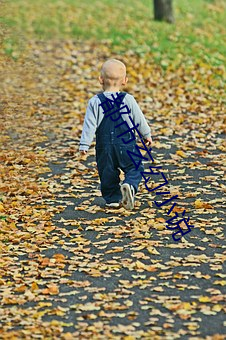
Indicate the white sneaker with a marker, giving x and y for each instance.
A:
(113, 205)
(128, 194)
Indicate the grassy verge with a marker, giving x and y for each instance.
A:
(197, 33)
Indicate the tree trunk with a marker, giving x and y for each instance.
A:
(163, 10)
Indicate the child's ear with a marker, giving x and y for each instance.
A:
(124, 82)
(101, 80)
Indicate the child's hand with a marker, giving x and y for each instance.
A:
(148, 141)
(83, 152)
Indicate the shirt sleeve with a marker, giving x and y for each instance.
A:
(138, 118)
(89, 128)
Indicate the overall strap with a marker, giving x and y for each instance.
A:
(106, 132)
(104, 99)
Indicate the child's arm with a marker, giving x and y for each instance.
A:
(89, 129)
(138, 118)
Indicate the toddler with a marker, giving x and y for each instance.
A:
(108, 115)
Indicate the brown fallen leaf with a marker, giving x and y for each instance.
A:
(200, 204)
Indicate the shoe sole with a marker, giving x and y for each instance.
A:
(127, 196)
(112, 205)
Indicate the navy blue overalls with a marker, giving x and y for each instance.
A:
(111, 155)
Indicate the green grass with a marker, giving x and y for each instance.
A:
(198, 30)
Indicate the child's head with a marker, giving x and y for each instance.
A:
(113, 75)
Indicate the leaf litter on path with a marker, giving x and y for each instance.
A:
(70, 268)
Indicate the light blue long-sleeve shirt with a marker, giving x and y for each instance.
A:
(94, 116)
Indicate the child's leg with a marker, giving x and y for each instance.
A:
(132, 176)
(107, 166)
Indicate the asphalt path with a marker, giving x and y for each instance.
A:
(183, 296)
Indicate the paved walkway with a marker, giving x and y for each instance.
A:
(79, 271)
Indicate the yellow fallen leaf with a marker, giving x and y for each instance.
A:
(204, 299)
(181, 153)
(59, 257)
(192, 326)
(44, 304)
(115, 250)
(12, 225)
(100, 221)
(200, 204)
(67, 336)
(159, 226)
(153, 251)
(34, 286)
(140, 265)
(217, 308)
(158, 289)
(218, 282)
(38, 315)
